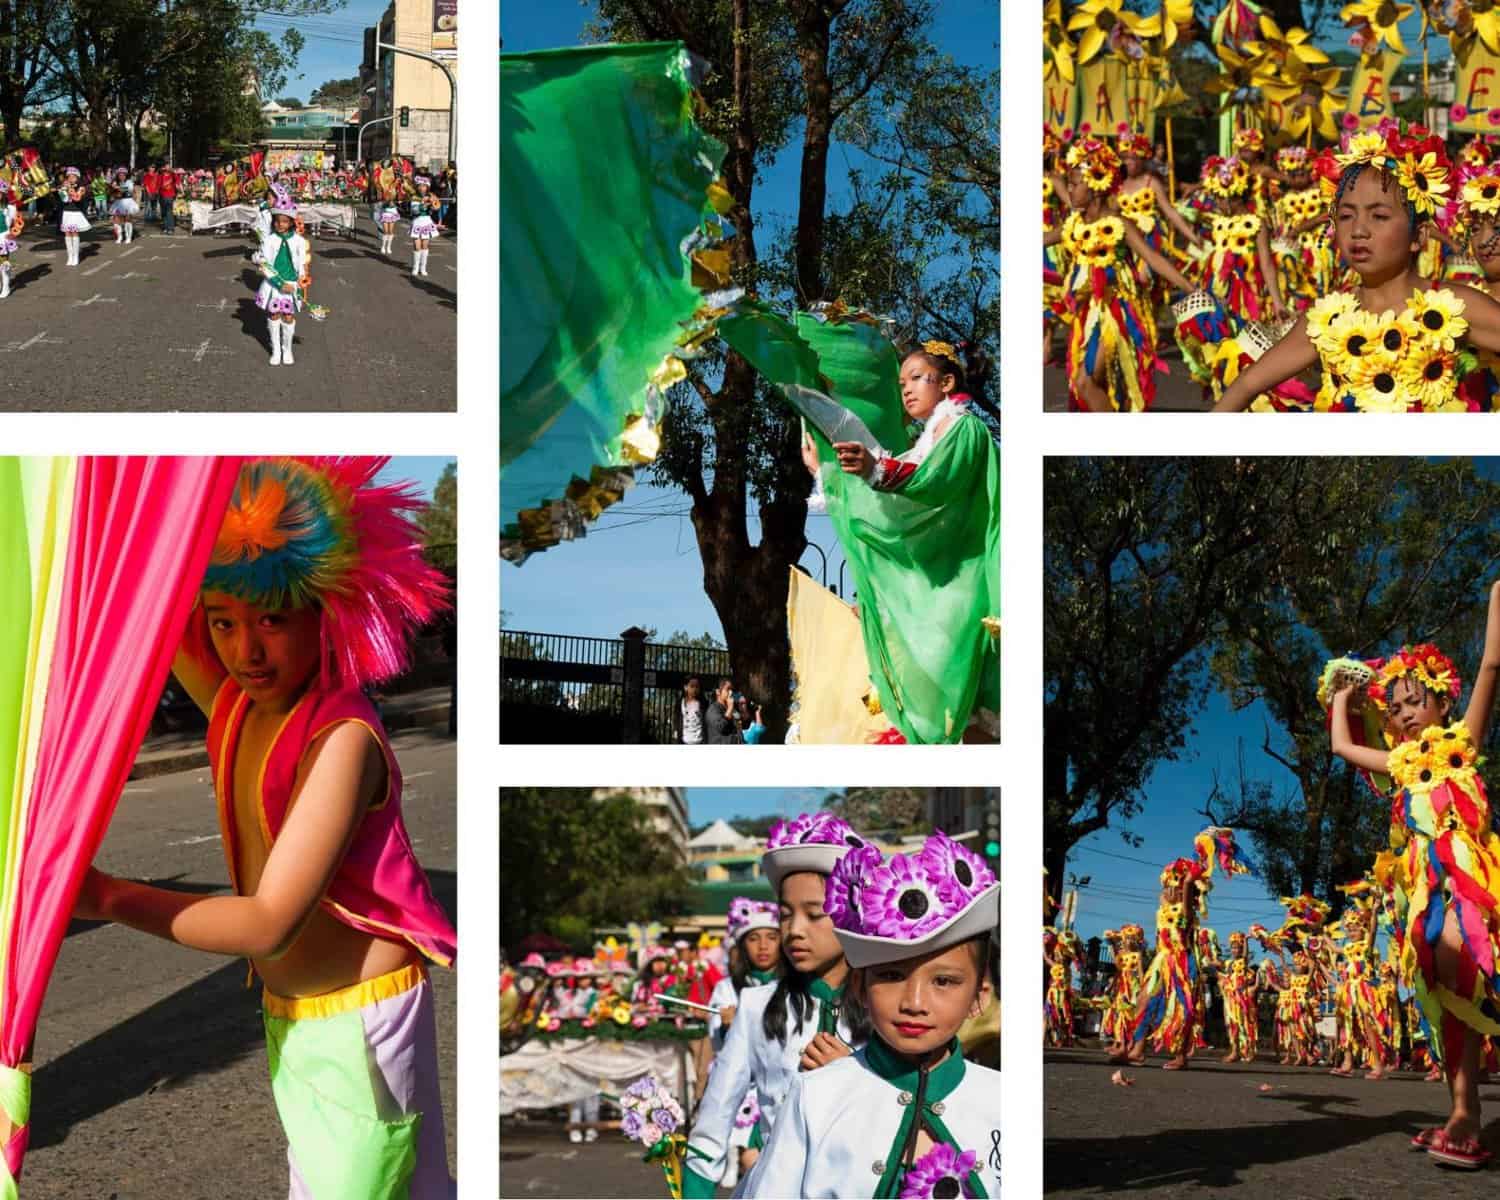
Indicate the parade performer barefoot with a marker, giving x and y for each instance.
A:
(1167, 1010)
(314, 591)
(424, 226)
(802, 1022)
(1395, 343)
(11, 224)
(1448, 856)
(1237, 985)
(75, 199)
(285, 259)
(1112, 351)
(754, 937)
(918, 931)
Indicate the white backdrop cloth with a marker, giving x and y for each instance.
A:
(206, 216)
(546, 1074)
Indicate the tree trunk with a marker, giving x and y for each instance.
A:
(813, 31)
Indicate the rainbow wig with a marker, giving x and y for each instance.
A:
(317, 532)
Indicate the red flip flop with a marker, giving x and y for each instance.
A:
(1423, 1139)
(1464, 1154)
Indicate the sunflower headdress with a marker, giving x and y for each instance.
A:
(1292, 158)
(1428, 665)
(1225, 178)
(1411, 155)
(1481, 194)
(1051, 143)
(1474, 153)
(1098, 162)
(1135, 143)
(1249, 139)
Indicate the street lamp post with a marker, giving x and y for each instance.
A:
(358, 141)
(452, 88)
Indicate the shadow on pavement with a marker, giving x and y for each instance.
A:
(30, 275)
(446, 298)
(253, 323)
(239, 250)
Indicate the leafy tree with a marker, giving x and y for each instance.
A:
(1397, 551)
(289, 102)
(1146, 562)
(336, 93)
(881, 809)
(568, 856)
(28, 76)
(439, 522)
(803, 69)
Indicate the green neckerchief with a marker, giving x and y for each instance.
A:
(762, 976)
(940, 1083)
(830, 1000)
(285, 271)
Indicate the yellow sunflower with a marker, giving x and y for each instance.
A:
(1326, 314)
(1354, 348)
(1111, 229)
(1426, 182)
(1439, 313)
(1481, 194)
(1429, 375)
(1365, 146)
(1384, 18)
(1378, 387)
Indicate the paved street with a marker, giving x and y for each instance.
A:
(1174, 393)
(151, 1079)
(170, 324)
(1211, 1129)
(536, 1159)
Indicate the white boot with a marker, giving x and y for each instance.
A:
(416, 262)
(288, 329)
(424, 255)
(71, 241)
(129, 232)
(4, 280)
(275, 327)
(119, 233)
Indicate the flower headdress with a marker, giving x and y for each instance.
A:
(282, 203)
(1180, 871)
(941, 349)
(1433, 669)
(419, 180)
(884, 911)
(1132, 932)
(1051, 143)
(1098, 162)
(1135, 143)
(942, 1171)
(1236, 938)
(1225, 177)
(1249, 139)
(1474, 153)
(1292, 158)
(1481, 194)
(746, 914)
(1411, 155)
(809, 842)
(318, 532)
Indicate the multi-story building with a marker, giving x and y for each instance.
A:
(390, 82)
(667, 808)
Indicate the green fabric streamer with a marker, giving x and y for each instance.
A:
(925, 558)
(605, 178)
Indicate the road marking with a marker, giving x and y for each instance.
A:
(416, 774)
(230, 278)
(156, 258)
(195, 841)
(101, 266)
(221, 306)
(344, 282)
(133, 275)
(137, 791)
(199, 351)
(36, 339)
(454, 270)
(96, 298)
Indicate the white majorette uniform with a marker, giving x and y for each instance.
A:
(851, 1128)
(748, 1060)
(842, 1128)
(811, 842)
(422, 223)
(270, 298)
(73, 220)
(125, 205)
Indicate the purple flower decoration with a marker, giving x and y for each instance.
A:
(942, 1171)
(946, 859)
(664, 1120)
(749, 1112)
(631, 1123)
(902, 900)
(820, 828)
(643, 1087)
(841, 899)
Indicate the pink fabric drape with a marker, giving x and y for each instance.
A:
(141, 535)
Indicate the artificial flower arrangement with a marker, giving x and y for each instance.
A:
(942, 1172)
(653, 1117)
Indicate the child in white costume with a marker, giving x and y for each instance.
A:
(798, 1024)
(423, 225)
(123, 211)
(284, 258)
(11, 224)
(906, 1115)
(74, 198)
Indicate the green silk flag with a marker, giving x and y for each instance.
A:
(925, 558)
(606, 179)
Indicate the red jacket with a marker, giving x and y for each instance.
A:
(167, 185)
(148, 181)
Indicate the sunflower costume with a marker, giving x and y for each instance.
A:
(1403, 362)
(1237, 985)
(1480, 197)
(1054, 264)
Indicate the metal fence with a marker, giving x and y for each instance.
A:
(560, 688)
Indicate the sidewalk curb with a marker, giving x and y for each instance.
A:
(191, 758)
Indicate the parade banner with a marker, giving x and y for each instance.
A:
(1370, 91)
(23, 172)
(1142, 97)
(1476, 94)
(1059, 103)
(1101, 96)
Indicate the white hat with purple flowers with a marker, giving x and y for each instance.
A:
(809, 842)
(941, 895)
(746, 914)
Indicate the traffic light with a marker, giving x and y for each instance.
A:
(405, 116)
(992, 834)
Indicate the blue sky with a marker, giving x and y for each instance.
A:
(423, 472)
(706, 805)
(645, 547)
(335, 44)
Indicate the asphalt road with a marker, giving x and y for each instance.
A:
(1210, 1130)
(151, 1079)
(169, 324)
(536, 1159)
